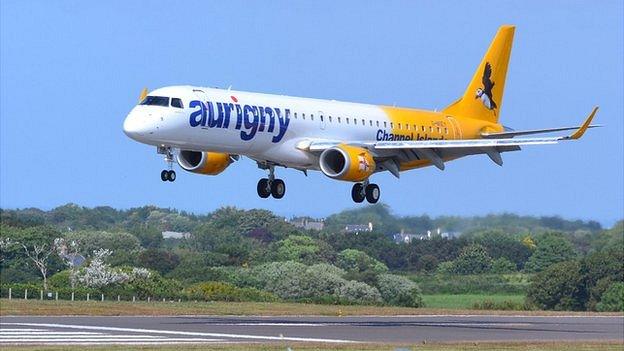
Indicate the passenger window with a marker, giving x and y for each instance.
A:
(370, 121)
(363, 122)
(339, 120)
(347, 119)
(385, 124)
(330, 119)
(423, 128)
(303, 116)
(377, 124)
(399, 125)
(445, 130)
(407, 126)
(355, 121)
(430, 129)
(321, 118)
(312, 117)
(391, 125)
(295, 115)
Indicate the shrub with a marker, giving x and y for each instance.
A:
(613, 299)
(427, 263)
(551, 248)
(358, 261)
(473, 259)
(503, 265)
(505, 305)
(218, 291)
(446, 267)
(357, 292)
(400, 291)
(282, 278)
(560, 287)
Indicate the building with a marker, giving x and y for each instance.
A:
(308, 223)
(407, 238)
(359, 228)
(175, 235)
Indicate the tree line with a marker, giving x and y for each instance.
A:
(255, 255)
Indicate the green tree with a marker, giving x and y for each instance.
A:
(124, 246)
(159, 260)
(299, 248)
(473, 259)
(503, 265)
(501, 244)
(551, 248)
(601, 269)
(560, 286)
(613, 299)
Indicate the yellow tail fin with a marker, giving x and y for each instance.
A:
(484, 96)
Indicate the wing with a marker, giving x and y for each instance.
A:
(391, 154)
(487, 73)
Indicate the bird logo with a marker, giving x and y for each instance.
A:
(485, 93)
(364, 165)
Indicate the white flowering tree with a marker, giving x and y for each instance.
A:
(39, 254)
(98, 273)
(68, 252)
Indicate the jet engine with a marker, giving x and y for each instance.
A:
(346, 162)
(209, 163)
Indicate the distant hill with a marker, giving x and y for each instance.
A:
(75, 217)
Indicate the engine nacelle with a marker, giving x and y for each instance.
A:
(346, 162)
(209, 163)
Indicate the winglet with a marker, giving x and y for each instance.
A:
(579, 132)
(143, 94)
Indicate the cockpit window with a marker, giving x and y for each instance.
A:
(176, 102)
(156, 101)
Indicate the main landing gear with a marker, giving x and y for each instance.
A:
(167, 174)
(271, 186)
(365, 190)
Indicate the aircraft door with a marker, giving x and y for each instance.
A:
(457, 132)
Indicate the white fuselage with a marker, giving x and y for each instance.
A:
(261, 126)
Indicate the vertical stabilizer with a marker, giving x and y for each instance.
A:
(484, 96)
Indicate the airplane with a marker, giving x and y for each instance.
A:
(207, 129)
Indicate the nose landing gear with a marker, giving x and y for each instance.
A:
(365, 190)
(271, 186)
(167, 174)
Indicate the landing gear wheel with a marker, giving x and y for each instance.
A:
(164, 175)
(264, 190)
(372, 193)
(357, 192)
(171, 175)
(278, 188)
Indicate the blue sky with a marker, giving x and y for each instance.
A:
(70, 72)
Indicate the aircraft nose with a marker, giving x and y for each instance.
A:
(134, 126)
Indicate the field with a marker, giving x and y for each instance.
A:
(112, 308)
(467, 301)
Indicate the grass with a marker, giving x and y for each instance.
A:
(17, 307)
(467, 301)
(474, 346)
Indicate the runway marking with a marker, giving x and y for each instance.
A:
(420, 324)
(179, 333)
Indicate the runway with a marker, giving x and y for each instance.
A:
(153, 330)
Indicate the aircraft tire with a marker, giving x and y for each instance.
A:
(372, 193)
(356, 193)
(164, 175)
(278, 188)
(171, 175)
(263, 188)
